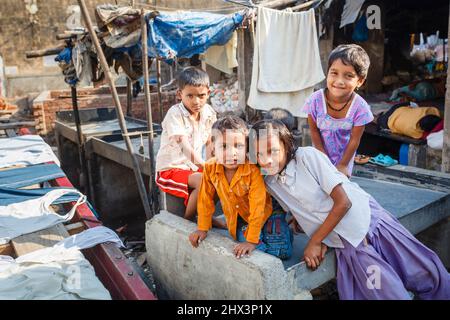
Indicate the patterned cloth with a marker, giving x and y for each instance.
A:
(336, 133)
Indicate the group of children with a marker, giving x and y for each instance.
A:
(258, 175)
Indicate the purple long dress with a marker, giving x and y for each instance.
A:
(389, 264)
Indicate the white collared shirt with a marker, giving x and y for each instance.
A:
(304, 189)
(178, 122)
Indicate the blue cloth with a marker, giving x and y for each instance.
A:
(27, 176)
(10, 195)
(184, 34)
(65, 55)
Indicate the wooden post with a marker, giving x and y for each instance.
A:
(446, 146)
(245, 62)
(119, 111)
(148, 108)
(129, 97)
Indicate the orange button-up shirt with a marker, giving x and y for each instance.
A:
(246, 196)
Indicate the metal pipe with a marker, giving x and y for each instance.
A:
(158, 77)
(119, 111)
(84, 178)
(148, 107)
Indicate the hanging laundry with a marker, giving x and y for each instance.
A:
(82, 61)
(64, 59)
(351, 11)
(54, 273)
(223, 58)
(33, 215)
(122, 23)
(286, 60)
(25, 150)
(183, 34)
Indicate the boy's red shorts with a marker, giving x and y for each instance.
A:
(175, 182)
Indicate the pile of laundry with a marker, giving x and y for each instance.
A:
(58, 272)
(171, 35)
(417, 122)
(225, 96)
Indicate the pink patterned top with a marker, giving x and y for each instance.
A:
(336, 133)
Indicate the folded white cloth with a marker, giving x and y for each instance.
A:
(286, 60)
(25, 150)
(435, 140)
(54, 273)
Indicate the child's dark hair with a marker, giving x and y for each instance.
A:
(192, 76)
(353, 55)
(229, 122)
(282, 115)
(428, 122)
(271, 127)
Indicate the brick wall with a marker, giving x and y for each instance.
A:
(49, 103)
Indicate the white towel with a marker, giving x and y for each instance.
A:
(223, 58)
(286, 60)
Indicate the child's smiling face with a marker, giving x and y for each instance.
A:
(342, 80)
(271, 154)
(230, 148)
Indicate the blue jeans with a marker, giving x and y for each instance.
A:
(276, 237)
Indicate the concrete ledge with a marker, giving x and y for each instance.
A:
(211, 271)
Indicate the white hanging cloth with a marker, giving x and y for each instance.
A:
(286, 60)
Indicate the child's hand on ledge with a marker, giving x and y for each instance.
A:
(244, 248)
(196, 237)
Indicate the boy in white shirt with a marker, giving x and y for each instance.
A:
(186, 130)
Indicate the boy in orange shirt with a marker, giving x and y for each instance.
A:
(240, 187)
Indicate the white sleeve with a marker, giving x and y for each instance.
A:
(321, 168)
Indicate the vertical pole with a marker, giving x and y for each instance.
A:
(84, 178)
(129, 97)
(158, 77)
(245, 62)
(119, 111)
(148, 107)
(446, 146)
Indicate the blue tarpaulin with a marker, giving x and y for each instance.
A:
(184, 34)
(27, 176)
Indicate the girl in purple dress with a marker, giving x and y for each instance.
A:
(337, 115)
(377, 258)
